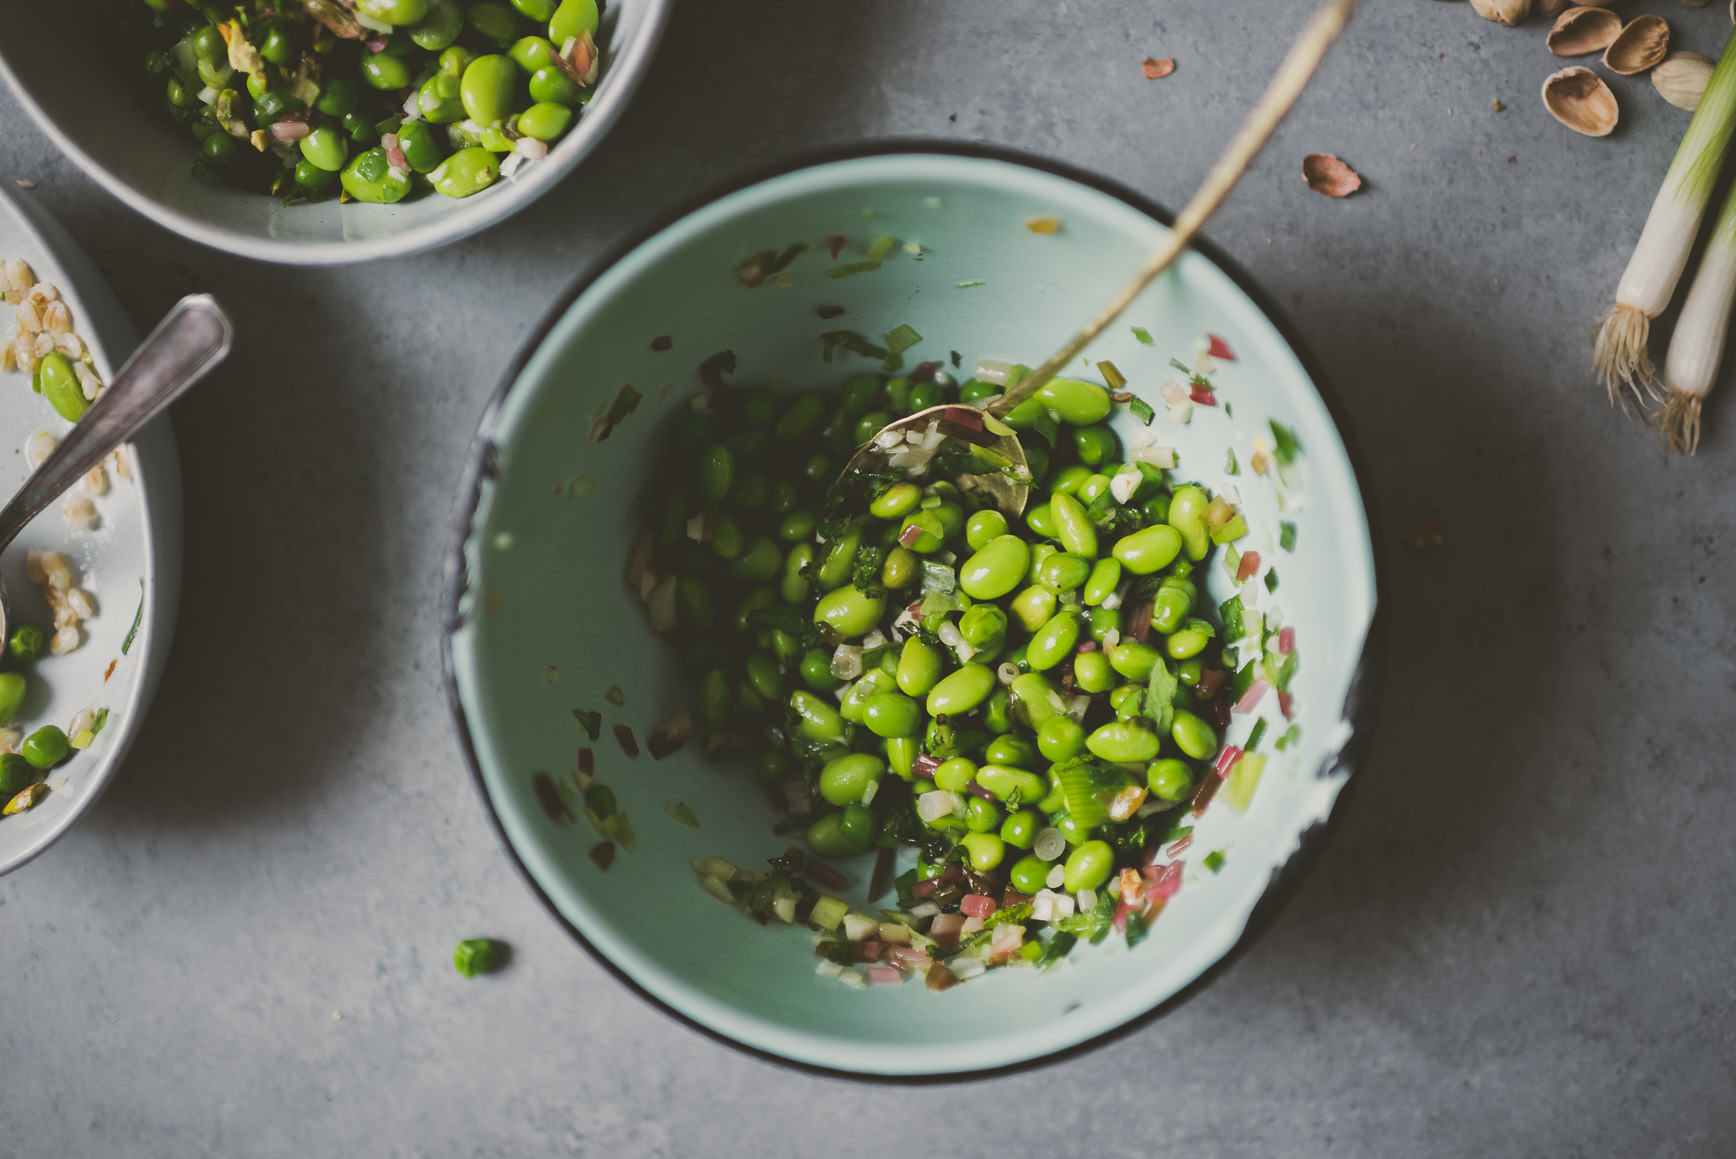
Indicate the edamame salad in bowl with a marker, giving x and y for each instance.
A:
(797, 755)
(335, 130)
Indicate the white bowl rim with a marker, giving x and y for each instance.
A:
(1360, 699)
(599, 117)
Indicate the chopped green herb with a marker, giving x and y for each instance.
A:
(1229, 410)
(968, 285)
(1136, 929)
(1287, 536)
(625, 402)
(1183, 367)
(101, 719)
(1214, 860)
(591, 722)
(1056, 949)
(138, 618)
(901, 338)
(1286, 447)
(881, 246)
(834, 340)
(1160, 697)
(615, 696)
(847, 269)
(1233, 530)
(682, 814)
(1231, 467)
(1142, 335)
(1112, 375)
(1141, 410)
(957, 358)
(1230, 611)
(1280, 673)
(1254, 735)
(1272, 580)
(1290, 737)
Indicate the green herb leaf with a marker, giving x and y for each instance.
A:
(1214, 860)
(1272, 580)
(1290, 737)
(1136, 929)
(138, 618)
(1230, 612)
(1254, 735)
(681, 813)
(1160, 696)
(1286, 446)
(1287, 536)
(591, 722)
(615, 696)
(1142, 336)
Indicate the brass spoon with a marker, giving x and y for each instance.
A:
(906, 447)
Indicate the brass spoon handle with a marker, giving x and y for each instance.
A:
(1292, 77)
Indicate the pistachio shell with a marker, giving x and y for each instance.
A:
(1578, 98)
(1508, 12)
(1327, 174)
(1584, 29)
(1642, 44)
(1682, 79)
(1548, 8)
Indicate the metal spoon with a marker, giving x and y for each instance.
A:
(978, 438)
(191, 339)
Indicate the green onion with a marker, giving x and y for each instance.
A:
(1142, 335)
(1619, 350)
(138, 618)
(1697, 346)
(1285, 444)
(1141, 410)
(845, 269)
(1254, 735)
(901, 338)
(880, 247)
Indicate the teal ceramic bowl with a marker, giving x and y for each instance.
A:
(542, 623)
(132, 149)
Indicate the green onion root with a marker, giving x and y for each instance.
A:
(1619, 351)
(1679, 421)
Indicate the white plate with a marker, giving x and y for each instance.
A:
(131, 563)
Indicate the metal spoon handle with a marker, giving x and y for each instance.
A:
(191, 339)
(1292, 77)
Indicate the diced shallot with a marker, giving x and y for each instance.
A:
(976, 905)
(1007, 938)
(1286, 641)
(884, 974)
(1227, 760)
(1167, 882)
(394, 154)
(945, 928)
(1249, 567)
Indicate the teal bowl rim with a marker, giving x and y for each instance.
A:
(1360, 703)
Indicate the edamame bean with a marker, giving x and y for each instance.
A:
(798, 525)
(545, 120)
(901, 569)
(828, 838)
(1169, 779)
(1029, 873)
(997, 712)
(12, 689)
(961, 691)
(59, 384)
(1088, 866)
(1193, 736)
(16, 775)
(996, 569)
(1190, 639)
(1091, 672)
(854, 705)
(896, 501)
(393, 11)
(1100, 621)
(1187, 515)
(1124, 741)
(920, 667)
(1073, 527)
(383, 189)
(985, 850)
(1010, 749)
(840, 560)
(1149, 549)
(531, 53)
(573, 18)
(46, 747)
(801, 418)
(794, 586)
(419, 146)
(816, 671)
(1003, 782)
(1095, 445)
(538, 10)
(955, 774)
(385, 71)
(984, 527)
(466, 172)
(326, 148)
(844, 780)
(981, 816)
(1053, 642)
(1128, 701)
(1173, 601)
(1064, 571)
(1041, 520)
(817, 719)
(848, 612)
(1133, 660)
(1092, 488)
(490, 83)
(1033, 607)
(1061, 739)
(551, 84)
(496, 22)
(1020, 829)
(1035, 699)
(1105, 577)
(1074, 401)
(984, 627)
(439, 28)
(892, 714)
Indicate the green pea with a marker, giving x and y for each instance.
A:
(1169, 779)
(545, 120)
(1133, 660)
(1029, 873)
(827, 837)
(1187, 515)
(983, 627)
(1041, 520)
(1003, 781)
(1035, 698)
(794, 586)
(1092, 673)
(1020, 831)
(1092, 488)
(59, 384)
(844, 780)
(337, 97)
(1061, 738)
(1073, 527)
(277, 48)
(955, 774)
(26, 642)
(848, 612)
(384, 189)
(984, 527)
(981, 816)
(1174, 600)
(1068, 479)
(996, 569)
(1149, 549)
(1100, 621)
(1124, 741)
(537, 10)
(438, 29)
(901, 569)
(420, 147)
(487, 90)
(495, 21)
(896, 501)
(16, 775)
(1064, 571)
(550, 84)
(393, 11)
(763, 676)
(12, 689)
(1189, 640)
(961, 691)
(531, 53)
(920, 667)
(1095, 445)
(1189, 672)
(218, 76)
(1053, 642)
(573, 18)
(716, 473)
(219, 147)
(1193, 736)
(326, 148)
(818, 720)
(1076, 402)
(985, 850)
(1033, 607)
(816, 671)
(1010, 749)
(1105, 577)
(46, 747)
(1128, 701)
(1088, 866)
(840, 560)
(385, 70)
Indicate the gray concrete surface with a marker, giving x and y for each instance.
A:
(1520, 943)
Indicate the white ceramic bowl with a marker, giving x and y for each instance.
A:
(131, 563)
(135, 152)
